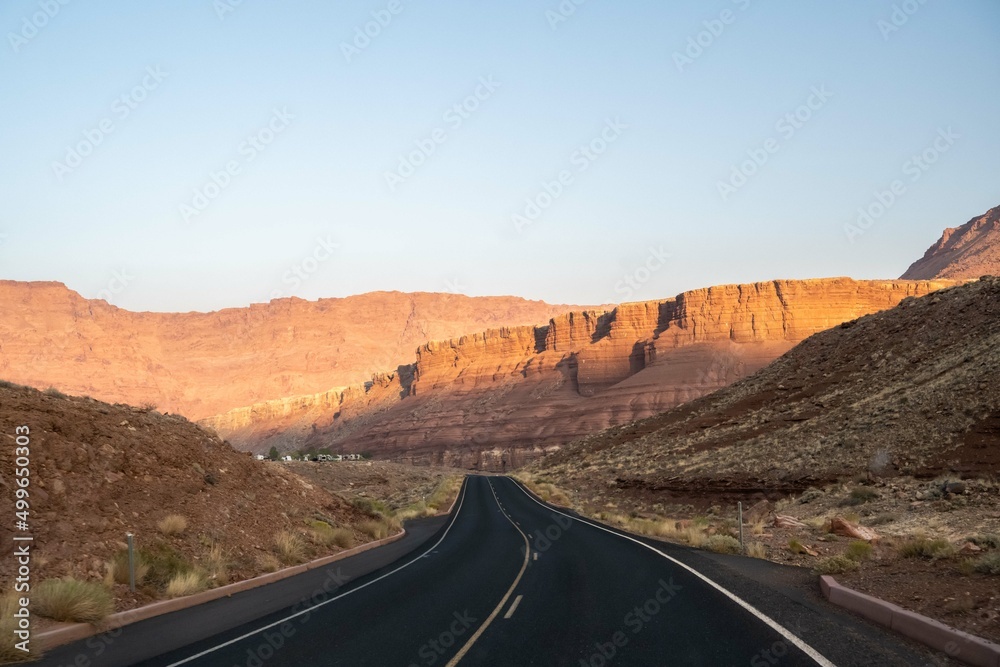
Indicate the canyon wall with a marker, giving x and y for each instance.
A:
(498, 399)
(201, 364)
(969, 251)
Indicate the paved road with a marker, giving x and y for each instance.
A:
(510, 581)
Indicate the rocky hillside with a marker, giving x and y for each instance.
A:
(969, 251)
(99, 471)
(201, 364)
(501, 398)
(909, 391)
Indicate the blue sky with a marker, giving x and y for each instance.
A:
(644, 125)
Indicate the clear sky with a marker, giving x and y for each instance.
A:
(200, 154)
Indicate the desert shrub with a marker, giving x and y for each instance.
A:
(372, 507)
(757, 550)
(987, 564)
(882, 519)
(52, 391)
(217, 566)
(172, 524)
(289, 548)
(859, 550)
(72, 600)
(343, 538)
(269, 562)
(163, 563)
(860, 495)
(117, 569)
(986, 541)
(923, 547)
(378, 529)
(795, 546)
(414, 511)
(321, 531)
(186, 583)
(695, 536)
(757, 528)
(723, 544)
(810, 495)
(836, 565)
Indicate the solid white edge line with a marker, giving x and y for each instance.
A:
(326, 602)
(513, 607)
(774, 625)
(503, 602)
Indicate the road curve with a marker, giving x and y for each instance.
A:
(579, 594)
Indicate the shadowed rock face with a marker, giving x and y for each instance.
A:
(498, 399)
(200, 364)
(969, 251)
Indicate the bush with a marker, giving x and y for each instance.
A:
(723, 544)
(8, 624)
(445, 491)
(922, 547)
(859, 550)
(757, 550)
(217, 565)
(117, 569)
(860, 495)
(187, 583)
(987, 564)
(163, 562)
(71, 600)
(375, 529)
(172, 524)
(795, 546)
(52, 391)
(373, 508)
(836, 565)
(343, 538)
(289, 548)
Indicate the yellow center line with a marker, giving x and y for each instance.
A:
(527, 551)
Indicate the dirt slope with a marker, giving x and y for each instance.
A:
(969, 251)
(98, 471)
(912, 391)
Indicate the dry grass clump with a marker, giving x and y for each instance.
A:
(695, 536)
(186, 583)
(289, 548)
(445, 492)
(116, 569)
(172, 524)
(986, 541)
(378, 529)
(859, 550)
(72, 600)
(723, 544)
(924, 547)
(268, 562)
(836, 565)
(987, 564)
(757, 550)
(216, 566)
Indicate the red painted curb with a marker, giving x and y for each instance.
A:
(64, 633)
(960, 645)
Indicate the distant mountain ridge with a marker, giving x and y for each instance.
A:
(201, 364)
(969, 251)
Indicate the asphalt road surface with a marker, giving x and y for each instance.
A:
(507, 580)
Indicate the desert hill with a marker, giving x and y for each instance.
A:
(969, 251)
(98, 471)
(201, 364)
(501, 398)
(909, 391)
